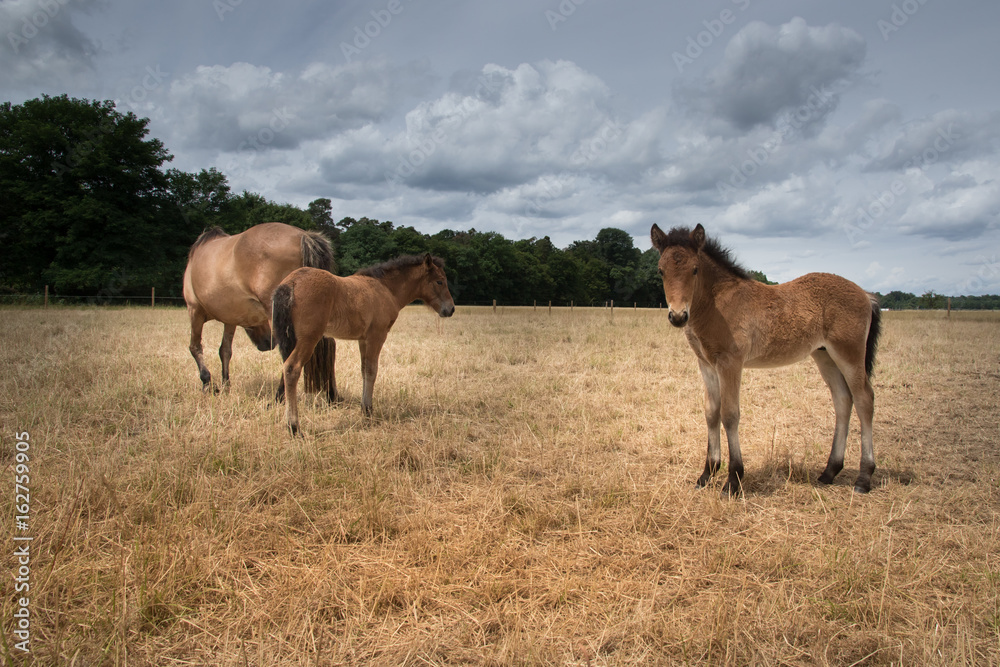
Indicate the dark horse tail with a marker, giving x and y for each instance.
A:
(318, 370)
(281, 320)
(871, 345)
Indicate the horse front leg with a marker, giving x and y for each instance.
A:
(370, 351)
(197, 324)
(226, 351)
(713, 460)
(729, 390)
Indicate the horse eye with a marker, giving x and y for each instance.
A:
(440, 282)
(660, 271)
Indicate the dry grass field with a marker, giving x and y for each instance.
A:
(524, 495)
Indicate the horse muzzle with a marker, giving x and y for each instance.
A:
(678, 319)
(447, 310)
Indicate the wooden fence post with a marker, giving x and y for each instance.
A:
(46, 296)
(152, 298)
(949, 307)
(494, 306)
(534, 306)
(550, 307)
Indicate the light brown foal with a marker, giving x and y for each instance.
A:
(733, 322)
(310, 303)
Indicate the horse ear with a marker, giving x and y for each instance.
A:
(428, 260)
(658, 238)
(698, 236)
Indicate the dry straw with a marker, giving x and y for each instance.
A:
(524, 495)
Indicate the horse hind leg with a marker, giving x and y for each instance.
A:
(842, 404)
(863, 396)
(864, 404)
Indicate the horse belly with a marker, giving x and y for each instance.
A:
(783, 355)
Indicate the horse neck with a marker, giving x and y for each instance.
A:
(715, 281)
(402, 285)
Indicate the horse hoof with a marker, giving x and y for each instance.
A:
(826, 478)
(858, 488)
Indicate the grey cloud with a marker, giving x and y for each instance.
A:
(768, 71)
(41, 45)
(946, 136)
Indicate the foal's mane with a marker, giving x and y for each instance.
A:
(681, 236)
(206, 236)
(400, 263)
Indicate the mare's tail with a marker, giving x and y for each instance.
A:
(317, 251)
(318, 371)
(281, 319)
(871, 345)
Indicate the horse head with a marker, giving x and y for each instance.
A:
(434, 288)
(678, 267)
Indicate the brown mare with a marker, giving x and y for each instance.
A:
(231, 279)
(733, 321)
(309, 304)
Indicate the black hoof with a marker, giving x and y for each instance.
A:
(862, 488)
(732, 489)
(826, 478)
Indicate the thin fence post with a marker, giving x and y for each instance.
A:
(152, 298)
(635, 305)
(46, 296)
(494, 306)
(534, 305)
(571, 304)
(550, 307)
(949, 307)
(612, 306)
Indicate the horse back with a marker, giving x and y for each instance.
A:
(232, 277)
(775, 325)
(349, 308)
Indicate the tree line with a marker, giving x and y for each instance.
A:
(90, 208)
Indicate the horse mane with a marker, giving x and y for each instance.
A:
(205, 237)
(400, 263)
(681, 236)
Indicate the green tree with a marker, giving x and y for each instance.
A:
(321, 212)
(85, 204)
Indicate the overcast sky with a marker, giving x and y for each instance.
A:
(860, 137)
